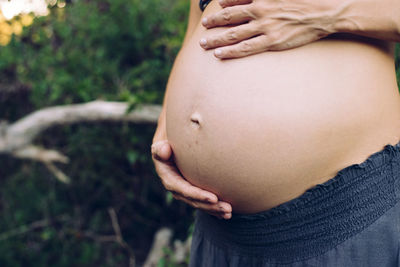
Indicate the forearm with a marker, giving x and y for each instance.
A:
(372, 18)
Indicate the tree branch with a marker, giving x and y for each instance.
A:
(162, 239)
(119, 239)
(24, 131)
(16, 139)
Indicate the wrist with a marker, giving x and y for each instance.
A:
(345, 18)
(326, 15)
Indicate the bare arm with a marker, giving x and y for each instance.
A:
(371, 18)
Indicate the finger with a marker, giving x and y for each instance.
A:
(225, 216)
(185, 189)
(222, 210)
(226, 3)
(155, 147)
(231, 36)
(212, 209)
(161, 150)
(174, 182)
(220, 215)
(245, 48)
(228, 16)
(218, 207)
(225, 206)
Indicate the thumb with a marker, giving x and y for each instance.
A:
(161, 150)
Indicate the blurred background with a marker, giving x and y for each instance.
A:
(86, 193)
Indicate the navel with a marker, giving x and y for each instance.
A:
(196, 120)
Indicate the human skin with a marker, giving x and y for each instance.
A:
(165, 166)
(173, 181)
(270, 25)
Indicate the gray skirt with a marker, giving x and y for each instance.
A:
(351, 220)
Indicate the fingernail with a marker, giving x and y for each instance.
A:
(203, 42)
(218, 52)
(204, 21)
(227, 216)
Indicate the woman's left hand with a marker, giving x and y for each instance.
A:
(266, 25)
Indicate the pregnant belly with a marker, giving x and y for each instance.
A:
(260, 130)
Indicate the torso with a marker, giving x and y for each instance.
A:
(275, 124)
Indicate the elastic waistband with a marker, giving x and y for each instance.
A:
(317, 221)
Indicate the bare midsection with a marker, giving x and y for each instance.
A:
(261, 130)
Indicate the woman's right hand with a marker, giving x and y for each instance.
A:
(180, 188)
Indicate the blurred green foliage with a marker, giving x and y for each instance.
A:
(110, 49)
(397, 63)
(115, 50)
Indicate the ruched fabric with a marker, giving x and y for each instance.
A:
(351, 220)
